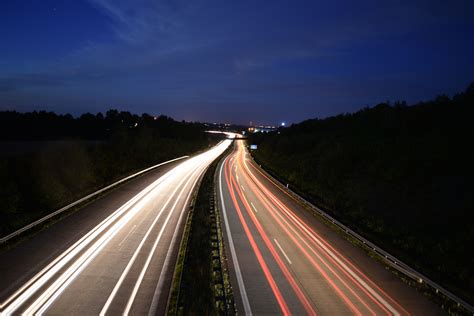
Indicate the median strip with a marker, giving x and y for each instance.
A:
(201, 283)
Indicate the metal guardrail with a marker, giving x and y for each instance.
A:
(85, 198)
(384, 255)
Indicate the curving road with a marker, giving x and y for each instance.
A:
(283, 260)
(122, 264)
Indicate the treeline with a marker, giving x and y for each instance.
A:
(400, 175)
(62, 158)
(51, 126)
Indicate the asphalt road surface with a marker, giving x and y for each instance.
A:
(116, 256)
(284, 260)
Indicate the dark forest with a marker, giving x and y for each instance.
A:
(49, 160)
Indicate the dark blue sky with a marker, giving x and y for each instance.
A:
(235, 61)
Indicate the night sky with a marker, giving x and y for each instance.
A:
(231, 61)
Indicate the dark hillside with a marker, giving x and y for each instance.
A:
(49, 160)
(401, 175)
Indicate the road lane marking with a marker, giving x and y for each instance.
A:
(282, 251)
(315, 264)
(301, 296)
(44, 275)
(242, 187)
(47, 298)
(152, 252)
(254, 208)
(62, 282)
(238, 273)
(232, 184)
(42, 303)
(299, 222)
(137, 251)
(345, 259)
(167, 263)
(128, 234)
(259, 193)
(29, 226)
(196, 169)
(354, 275)
(109, 227)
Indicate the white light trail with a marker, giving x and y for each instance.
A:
(47, 285)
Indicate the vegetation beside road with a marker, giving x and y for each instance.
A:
(201, 284)
(399, 175)
(49, 160)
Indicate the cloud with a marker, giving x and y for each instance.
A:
(145, 20)
(188, 54)
(13, 84)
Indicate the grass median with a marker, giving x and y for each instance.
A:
(200, 281)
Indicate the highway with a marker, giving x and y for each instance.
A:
(121, 264)
(285, 260)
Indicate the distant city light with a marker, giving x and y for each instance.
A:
(283, 123)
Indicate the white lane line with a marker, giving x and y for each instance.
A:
(125, 272)
(199, 169)
(152, 252)
(254, 208)
(128, 234)
(137, 251)
(19, 231)
(352, 273)
(333, 255)
(238, 273)
(242, 187)
(84, 240)
(70, 275)
(282, 251)
(26, 291)
(81, 266)
(166, 264)
(46, 298)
